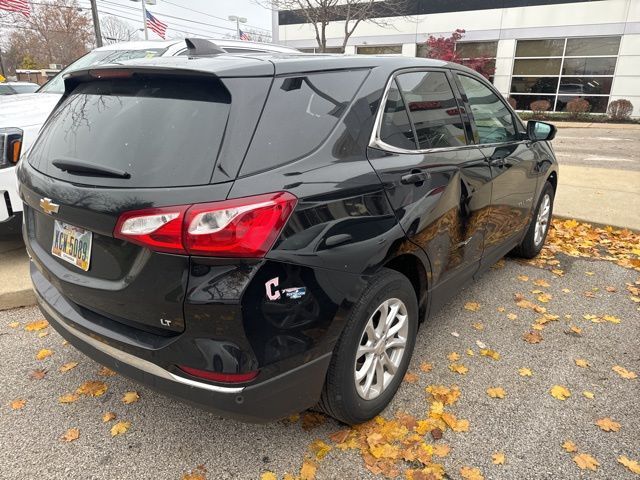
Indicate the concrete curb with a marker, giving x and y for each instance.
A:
(594, 224)
(615, 126)
(16, 299)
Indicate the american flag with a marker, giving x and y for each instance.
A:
(244, 36)
(154, 25)
(18, 6)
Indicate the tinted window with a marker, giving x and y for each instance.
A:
(492, 117)
(25, 88)
(433, 109)
(300, 113)
(6, 90)
(540, 48)
(163, 132)
(396, 129)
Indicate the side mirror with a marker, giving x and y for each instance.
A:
(538, 131)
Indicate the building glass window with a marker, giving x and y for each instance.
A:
(562, 69)
(379, 50)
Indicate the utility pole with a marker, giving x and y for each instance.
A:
(238, 21)
(96, 22)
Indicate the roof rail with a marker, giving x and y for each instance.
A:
(199, 47)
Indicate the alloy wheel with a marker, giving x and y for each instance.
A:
(542, 221)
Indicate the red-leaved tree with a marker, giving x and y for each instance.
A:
(444, 48)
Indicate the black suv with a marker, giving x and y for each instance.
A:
(262, 234)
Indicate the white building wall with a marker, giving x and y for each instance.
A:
(504, 65)
(626, 83)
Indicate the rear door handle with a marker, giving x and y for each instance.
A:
(416, 177)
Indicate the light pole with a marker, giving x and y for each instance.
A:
(144, 15)
(238, 21)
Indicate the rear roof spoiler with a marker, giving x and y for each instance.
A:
(199, 47)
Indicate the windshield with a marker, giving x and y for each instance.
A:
(56, 84)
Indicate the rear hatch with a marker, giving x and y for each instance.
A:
(126, 140)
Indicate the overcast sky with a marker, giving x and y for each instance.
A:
(196, 17)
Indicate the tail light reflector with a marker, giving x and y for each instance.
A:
(219, 377)
(242, 227)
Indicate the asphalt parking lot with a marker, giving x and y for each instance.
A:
(167, 439)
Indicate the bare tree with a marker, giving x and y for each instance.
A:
(115, 30)
(320, 13)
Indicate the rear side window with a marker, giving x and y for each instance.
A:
(300, 113)
(433, 109)
(492, 117)
(395, 129)
(163, 132)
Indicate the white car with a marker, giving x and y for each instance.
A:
(14, 88)
(22, 115)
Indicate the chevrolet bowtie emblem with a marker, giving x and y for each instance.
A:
(48, 206)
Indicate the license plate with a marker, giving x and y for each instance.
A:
(72, 244)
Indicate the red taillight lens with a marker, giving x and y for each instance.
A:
(219, 377)
(242, 227)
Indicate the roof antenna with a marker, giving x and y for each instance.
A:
(199, 47)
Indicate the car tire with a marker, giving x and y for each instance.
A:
(539, 226)
(344, 397)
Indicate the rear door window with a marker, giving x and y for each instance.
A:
(300, 113)
(433, 109)
(163, 132)
(395, 129)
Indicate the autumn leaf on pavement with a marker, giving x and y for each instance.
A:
(44, 353)
(541, 283)
(487, 352)
(569, 446)
(532, 337)
(340, 436)
(197, 473)
(18, 404)
(106, 372)
(92, 388)
(458, 368)
(525, 372)
(68, 398)
(608, 425)
(107, 417)
(453, 356)
(320, 449)
(632, 465)
(14, 324)
(469, 473)
(426, 367)
(120, 428)
(586, 462)
(588, 394)
(70, 435)
(624, 373)
(523, 278)
(581, 362)
(560, 392)
(311, 420)
(574, 330)
(512, 316)
(472, 306)
(443, 394)
(268, 476)
(498, 458)
(37, 325)
(410, 377)
(38, 374)
(130, 397)
(308, 470)
(496, 392)
(68, 366)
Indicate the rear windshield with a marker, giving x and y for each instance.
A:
(162, 132)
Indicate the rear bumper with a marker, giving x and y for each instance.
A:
(272, 399)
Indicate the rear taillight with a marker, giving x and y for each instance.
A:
(242, 227)
(10, 146)
(219, 377)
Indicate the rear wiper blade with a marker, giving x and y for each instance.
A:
(72, 165)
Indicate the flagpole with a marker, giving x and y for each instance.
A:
(144, 19)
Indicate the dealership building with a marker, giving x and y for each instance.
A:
(555, 50)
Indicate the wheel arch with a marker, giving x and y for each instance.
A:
(417, 270)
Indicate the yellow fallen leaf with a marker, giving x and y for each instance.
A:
(410, 377)
(44, 353)
(107, 417)
(120, 428)
(624, 373)
(68, 398)
(92, 388)
(589, 273)
(523, 278)
(130, 397)
(501, 309)
(498, 458)
(443, 394)
(470, 473)
(588, 394)
(68, 366)
(608, 425)
(458, 368)
(469, 352)
(569, 446)
(441, 450)
(532, 337)
(453, 356)
(632, 465)
(581, 362)
(70, 435)
(43, 334)
(525, 372)
(426, 367)
(576, 330)
(308, 470)
(268, 476)
(512, 316)
(18, 404)
(487, 352)
(198, 473)
(106, 372)
(14, 324)
(461, 425)
(37, 325)
(496, 392)
(586, 462)
(559, 392)
(478, 326)
(472, 306)
(320, 449)
(544, 298)
(541, 283)
(611, 319)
